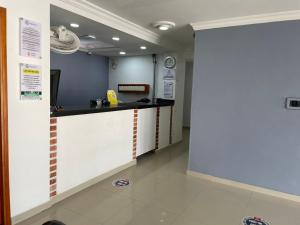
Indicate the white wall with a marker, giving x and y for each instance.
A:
(139, 69)
(187, 94)
(131, 70)
(164, 126)
(179, 92)
(28, 120)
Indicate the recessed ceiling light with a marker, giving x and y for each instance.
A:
(122, 53)
(75, 25)
(92, 36)
(164, 25)
(116, 38)
(143, 47)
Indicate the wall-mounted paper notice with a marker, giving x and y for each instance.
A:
(30, 38)
(31, 82)
(169, 89)
(169, 74)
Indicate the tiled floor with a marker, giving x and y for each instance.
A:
(163, 194)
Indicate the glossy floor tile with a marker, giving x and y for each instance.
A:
(162, 193)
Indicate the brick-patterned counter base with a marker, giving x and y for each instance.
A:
(157, 128)
(135, 122)
(53, 156)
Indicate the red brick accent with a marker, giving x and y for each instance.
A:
(53, 134)
(53, 121)
(135, 124)
(53, 141)
(53, 148)
(53, 181)
(53, 157)
(52, 128)
(53, 168)
(157, 128)
(52, 174)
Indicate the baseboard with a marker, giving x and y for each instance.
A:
(32, 212)
(269, 192)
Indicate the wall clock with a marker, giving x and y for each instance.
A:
(170, 62)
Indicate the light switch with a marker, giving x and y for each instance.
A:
(293, 103)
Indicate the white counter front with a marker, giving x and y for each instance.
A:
(92, 144)
(146, 132)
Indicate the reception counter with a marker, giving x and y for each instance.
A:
(89, 144)
(78, 110)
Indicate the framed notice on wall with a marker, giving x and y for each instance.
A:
(169, 89)
(30, 82)
(169, 74)
(30, 38)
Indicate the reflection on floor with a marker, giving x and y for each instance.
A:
(162, 193)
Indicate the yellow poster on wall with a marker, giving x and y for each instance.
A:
(112, 97)
(30, 82)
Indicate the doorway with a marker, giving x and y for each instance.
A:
(187, 94)
(5, 218)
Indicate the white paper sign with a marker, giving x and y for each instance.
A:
(31, 82)
(169, 74)
(169, 89)
(30, 38)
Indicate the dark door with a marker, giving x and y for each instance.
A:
(5, 218)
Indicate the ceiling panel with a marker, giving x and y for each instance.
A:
(184, 12)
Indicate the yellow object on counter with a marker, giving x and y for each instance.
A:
(112, 97)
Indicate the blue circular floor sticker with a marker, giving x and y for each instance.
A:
(254, 221)
(121, 183)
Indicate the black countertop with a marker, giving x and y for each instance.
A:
(79, 110)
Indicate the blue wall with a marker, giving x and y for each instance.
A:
(240, 129)
(83, 77)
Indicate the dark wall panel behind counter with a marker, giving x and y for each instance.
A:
(83, 77)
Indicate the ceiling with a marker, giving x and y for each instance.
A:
(184, 12)
(107, 47)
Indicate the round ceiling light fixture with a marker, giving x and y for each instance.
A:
(164, 25)
(122, 53)
(143, 47)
